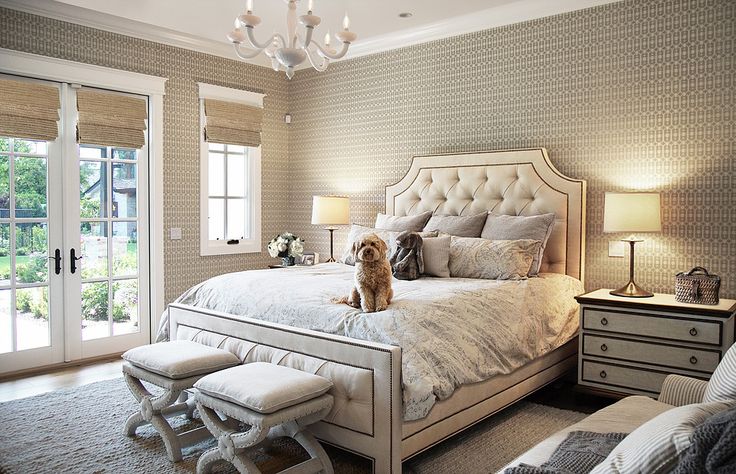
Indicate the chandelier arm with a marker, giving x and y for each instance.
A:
(319, 68)
(248, 54)
(255, 44)
(307, 38)
(328, 55)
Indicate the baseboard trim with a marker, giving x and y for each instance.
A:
(19, 374)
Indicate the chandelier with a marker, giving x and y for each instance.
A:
(288, 53)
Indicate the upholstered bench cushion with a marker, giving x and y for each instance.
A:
(180, 359)
(263, 387)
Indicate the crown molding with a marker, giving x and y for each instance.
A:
(127, 27)
(502, 15)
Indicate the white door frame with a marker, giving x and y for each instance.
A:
(59, 70)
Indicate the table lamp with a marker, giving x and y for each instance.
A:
(632, 212)
(330, 211)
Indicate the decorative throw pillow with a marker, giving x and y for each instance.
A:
(491, 259)
(503, 227)
(722, 384)
(356, 231)
(656, 446)
(401, 223)
(436, 252)
(459, 226)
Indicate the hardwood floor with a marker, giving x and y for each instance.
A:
(59, 378)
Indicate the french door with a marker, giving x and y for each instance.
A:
(74, 279)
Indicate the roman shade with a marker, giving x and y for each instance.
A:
(110, 119)
(232, 123)
(29, 110)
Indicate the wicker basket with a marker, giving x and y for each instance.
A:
(697, 286)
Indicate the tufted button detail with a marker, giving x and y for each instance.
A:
(146, 409)
(227, 447)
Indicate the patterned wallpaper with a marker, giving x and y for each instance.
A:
(183, 265)
(629, 96)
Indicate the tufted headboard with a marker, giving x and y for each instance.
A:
(512, 182)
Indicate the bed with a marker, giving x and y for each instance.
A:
(448, 352)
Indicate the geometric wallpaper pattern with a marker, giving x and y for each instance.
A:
(184, 69)
(634, 95)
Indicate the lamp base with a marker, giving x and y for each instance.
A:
(632, 290)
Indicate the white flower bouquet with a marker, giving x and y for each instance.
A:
(287, 246)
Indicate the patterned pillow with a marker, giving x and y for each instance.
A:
(401, 223)
(491, 259)
(502, 227)
(356, 231)
(722, 384)
(460, 226)
(657, 445)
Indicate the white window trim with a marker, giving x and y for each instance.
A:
(220, 247)
(60, 70)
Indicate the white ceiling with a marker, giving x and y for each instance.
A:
(202, 24)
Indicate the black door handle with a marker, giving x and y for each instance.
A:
(57, 261)
(74, 258)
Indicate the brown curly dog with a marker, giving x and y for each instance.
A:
(372, 290)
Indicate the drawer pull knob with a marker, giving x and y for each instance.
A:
(603, 374)
(604, 347)
(693, 360)
(693, 332)
(604, 322)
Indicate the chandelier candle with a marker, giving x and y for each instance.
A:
(288, 53)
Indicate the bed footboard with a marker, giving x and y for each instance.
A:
(366, 417)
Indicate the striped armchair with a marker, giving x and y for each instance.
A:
(678, 390)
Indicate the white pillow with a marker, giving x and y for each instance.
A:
(356, 231)
(491, 259)
(657, 445)
(722, 384)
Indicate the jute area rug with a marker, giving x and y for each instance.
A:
(78, 430)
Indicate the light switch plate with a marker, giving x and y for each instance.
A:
(616, 248)
(175, 233)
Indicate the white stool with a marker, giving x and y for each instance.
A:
(274, 401)
(174, 366)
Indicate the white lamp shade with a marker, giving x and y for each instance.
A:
(330, 210)
(632, 212)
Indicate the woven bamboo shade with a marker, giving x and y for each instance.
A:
(232, 123)
(111, 119)
(28, 110)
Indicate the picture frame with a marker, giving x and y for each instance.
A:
(308, 259)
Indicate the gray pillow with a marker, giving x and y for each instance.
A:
(402, 223)
(436, 253)
(459, 226)
(491, 259)
(502, 227)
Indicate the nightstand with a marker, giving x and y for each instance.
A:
(629, 345)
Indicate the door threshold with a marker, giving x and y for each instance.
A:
(19, 374)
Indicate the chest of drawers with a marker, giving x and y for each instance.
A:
(629, 345)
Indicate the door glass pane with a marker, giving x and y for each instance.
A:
(30, 187)
(94, 249)
(125, 248)
(6, 330)
(125, 307)
(124, 153)
(4, 254)
(124, 187)
(95, 310)
(30, 147)
(31, 252)
(216, 174)
(32, 317)
(235, 218)
(217, 219)
(4, 186)
(93, 189)
(236, 176)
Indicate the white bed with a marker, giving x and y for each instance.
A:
(470, 347)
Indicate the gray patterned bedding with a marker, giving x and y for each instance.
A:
(452, 331)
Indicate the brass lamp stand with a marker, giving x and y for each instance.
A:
(631, 289)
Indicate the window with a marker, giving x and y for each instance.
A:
(230, 172)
